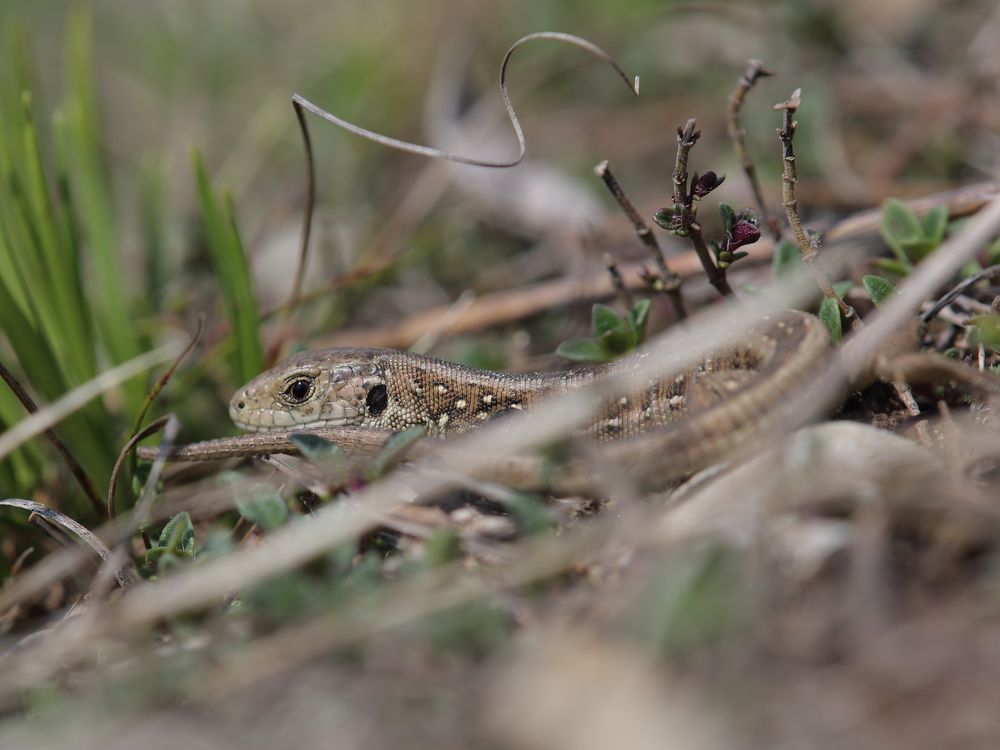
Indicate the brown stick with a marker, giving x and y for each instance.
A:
(670, 282)
(503, 307)
(806, 245)
(755, 70)
(683, 209)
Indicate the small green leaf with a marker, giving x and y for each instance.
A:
(582, 350)
(604, 319)
(899, 223)
(878, 289)
(639, 316)
(934, 223)
(614, 343)
(829, 313)
(314, 447)
(265, 507)
(918, 248)
(177, 536)
(787, 259)
(664, 218)
(728, 217)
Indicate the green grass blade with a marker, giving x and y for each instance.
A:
(154, 233)
(91, 193)
(226, 249)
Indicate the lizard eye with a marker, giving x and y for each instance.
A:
(298, 390)
(377, 399)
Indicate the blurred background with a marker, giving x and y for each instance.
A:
(898, 100)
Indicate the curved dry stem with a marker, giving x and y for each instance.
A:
(435, 153)
(67, 524)
(301, 105)
(151, 429)
(307, 208)
(160, 384)
(114, 564)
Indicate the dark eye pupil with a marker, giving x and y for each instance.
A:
(377, 399)
(299, 390)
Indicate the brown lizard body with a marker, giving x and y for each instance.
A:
(669, 428)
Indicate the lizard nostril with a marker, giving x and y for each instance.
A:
(240, 405)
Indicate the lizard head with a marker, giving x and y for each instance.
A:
(334, 387)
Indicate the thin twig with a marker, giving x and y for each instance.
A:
(150, 429)
(669, 281)
(683, 209)
(113, 565)
(989, 273)
(755, 70)
(159, 385)
(79, 473)
(618, 281)
(806, 245)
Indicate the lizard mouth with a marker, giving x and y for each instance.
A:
(275, 421)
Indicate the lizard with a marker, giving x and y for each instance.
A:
(668, 429)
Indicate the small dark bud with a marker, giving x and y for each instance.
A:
(744, 233)
(706, 183)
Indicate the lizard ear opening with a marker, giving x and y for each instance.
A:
(377, 399)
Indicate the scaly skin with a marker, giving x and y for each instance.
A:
(670, 428)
